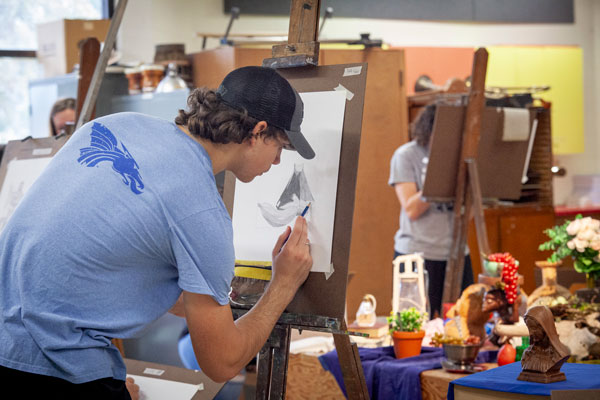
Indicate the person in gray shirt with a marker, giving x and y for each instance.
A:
(425, 227)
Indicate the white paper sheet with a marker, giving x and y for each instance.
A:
(516, 124)
(254, 236)
(160, 389)
(20, 175)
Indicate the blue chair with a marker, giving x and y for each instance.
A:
(186, 352)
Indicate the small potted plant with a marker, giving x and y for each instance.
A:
(405, 328)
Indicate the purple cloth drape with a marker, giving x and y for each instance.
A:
(391, 378)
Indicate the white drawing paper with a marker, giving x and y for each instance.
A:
(160, 389)
(20, 175)
(264, 207)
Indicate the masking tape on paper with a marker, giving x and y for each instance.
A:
(349, 94)
(352, 70)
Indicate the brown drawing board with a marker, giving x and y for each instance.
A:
(500, 163)
(320, 296)
(29, 148)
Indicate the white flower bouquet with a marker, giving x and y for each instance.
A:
(579, 239)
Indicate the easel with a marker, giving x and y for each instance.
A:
(87, 93)
(302, 50)
(468, 192)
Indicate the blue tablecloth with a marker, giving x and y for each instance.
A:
(504, 379)
(391, 378)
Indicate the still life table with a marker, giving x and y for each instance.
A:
(391, 378)
(501, 382)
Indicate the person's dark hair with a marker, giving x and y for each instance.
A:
(68, 103)
(209, 118)
(422, 127)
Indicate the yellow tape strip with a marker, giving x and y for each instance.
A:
(252, 272)
(247, 263)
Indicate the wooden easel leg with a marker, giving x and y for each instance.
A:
(455, 266)
(89, 52)
(354, 377)
(89, 102)
(273, 363)
(480, 229)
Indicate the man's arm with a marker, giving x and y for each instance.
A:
(410, 199)
(223, 347)
(178, 308)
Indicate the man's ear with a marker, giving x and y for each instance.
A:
(259, 128)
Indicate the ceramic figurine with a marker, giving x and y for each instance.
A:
(466, 316)
(495, 300)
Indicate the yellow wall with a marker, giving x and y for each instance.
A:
(561, 68)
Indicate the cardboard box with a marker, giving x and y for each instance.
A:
(58, 49)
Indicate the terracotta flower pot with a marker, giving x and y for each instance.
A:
(407, 344)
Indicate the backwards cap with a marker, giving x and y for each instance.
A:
(267, 96)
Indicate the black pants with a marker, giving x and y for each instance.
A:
(437, 273)
(32, 386)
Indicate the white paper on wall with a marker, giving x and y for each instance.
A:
(264, 207)
(20, 175)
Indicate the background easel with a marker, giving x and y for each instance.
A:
(470, 160)
(297, 57)
(88, 89)
(468, 191)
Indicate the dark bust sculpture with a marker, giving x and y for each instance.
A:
(542, 360)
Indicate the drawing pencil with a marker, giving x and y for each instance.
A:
(305, 210)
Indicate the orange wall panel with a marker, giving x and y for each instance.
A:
(439, 63)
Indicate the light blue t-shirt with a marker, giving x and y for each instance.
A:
(125, 216)
(431, 233)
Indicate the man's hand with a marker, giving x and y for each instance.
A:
(223, 347)
(132, 388)
(291, 259)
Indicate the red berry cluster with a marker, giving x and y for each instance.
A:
(509, 274)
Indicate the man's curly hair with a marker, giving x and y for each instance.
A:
(210, 118)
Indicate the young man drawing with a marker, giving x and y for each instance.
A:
(126, 223)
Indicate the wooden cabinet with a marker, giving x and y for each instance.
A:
(518, 230)
(384, 128)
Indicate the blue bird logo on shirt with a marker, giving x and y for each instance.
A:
(104, 147)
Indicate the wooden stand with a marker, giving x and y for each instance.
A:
(301, 51)
(274, 355)
(87, 103)
(89, 52)
(468, 192)
(302, 48)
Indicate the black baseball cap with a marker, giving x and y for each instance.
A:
(267, 96)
